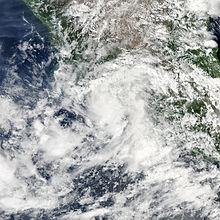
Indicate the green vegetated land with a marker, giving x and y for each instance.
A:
(65, 30)
(48, 12)
(204, 58)
(51, 13)
(178, 47)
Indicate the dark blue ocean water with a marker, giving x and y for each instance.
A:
(26, 55)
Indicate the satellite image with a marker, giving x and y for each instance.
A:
(109, 110)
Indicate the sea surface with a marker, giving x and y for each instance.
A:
(26, 54)
(109, 110)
